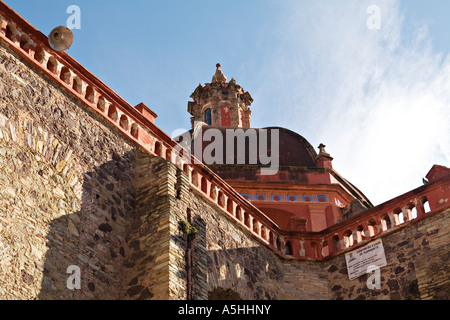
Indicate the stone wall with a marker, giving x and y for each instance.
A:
(417, 258)
(66, 191)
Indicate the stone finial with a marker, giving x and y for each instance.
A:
(322, 150)
(323, 158)
(219, 76)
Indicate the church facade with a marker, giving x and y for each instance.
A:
(97, 202)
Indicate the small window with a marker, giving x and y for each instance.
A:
(208, 119)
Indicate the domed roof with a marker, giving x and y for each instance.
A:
(256, 144)
(295, 150)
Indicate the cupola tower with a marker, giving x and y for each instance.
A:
(221, 103)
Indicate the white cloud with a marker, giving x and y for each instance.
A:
(379, 99)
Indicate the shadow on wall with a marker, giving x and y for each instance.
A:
(87, 250)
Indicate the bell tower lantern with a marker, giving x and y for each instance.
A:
(221, 103)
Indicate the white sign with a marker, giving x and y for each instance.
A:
(360, 261)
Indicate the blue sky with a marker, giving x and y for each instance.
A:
(379, 99)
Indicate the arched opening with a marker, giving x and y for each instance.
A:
(101, 104)
(410, 212)
(39, 55)
(52, 65)
(124, 122)
(90, 94)
(425, 205)
(134, 130)
(348, 238)
(278, 243)
(386, 222)
(112, 113)
(25, 42)
(360, 233)
(398, 216)
(288, 250)
(207, 116)
(372, 227)
(65, 75)
(10, 32)
(77, 85)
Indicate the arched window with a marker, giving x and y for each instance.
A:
(207, 116)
